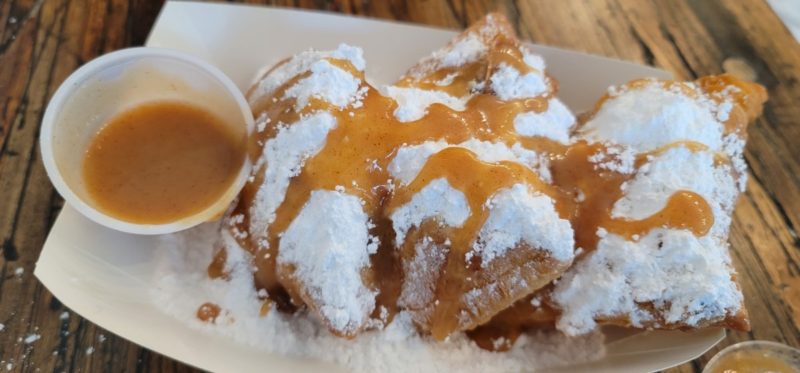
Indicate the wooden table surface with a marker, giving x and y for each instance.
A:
(43, 41)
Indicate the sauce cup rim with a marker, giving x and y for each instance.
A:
(757, 344)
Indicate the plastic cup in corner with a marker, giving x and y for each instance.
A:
(121, 80)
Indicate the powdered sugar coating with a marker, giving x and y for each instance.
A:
(437, 200)
(328, 245)
(679, 169)
(410, 159)
(615, 158)
(464, 51)
(447, 80)
(413, 103)
(468, 49)
(688, 276)
(508, 84)
(284, 156)
(328, 83)
(555, 123)
(651, 116)
(301, 63)
(733, 146)
(532, 59)
(520, 216)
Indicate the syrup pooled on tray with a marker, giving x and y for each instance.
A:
(208, 312)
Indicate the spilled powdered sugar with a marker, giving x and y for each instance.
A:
(183, 286)
(328, 245)
(518, 215)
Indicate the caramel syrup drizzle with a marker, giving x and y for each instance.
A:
(600, 189)
(359, 149)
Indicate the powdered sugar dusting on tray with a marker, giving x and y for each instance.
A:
(184, 285)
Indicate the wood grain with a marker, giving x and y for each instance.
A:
(42, 41)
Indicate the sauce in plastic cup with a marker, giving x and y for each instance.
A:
(117, 83)
(755, 357)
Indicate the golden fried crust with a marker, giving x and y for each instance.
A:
(490, 290)
(749, 96)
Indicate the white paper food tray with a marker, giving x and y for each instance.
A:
(106, 275)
